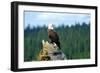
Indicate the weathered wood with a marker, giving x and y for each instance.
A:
(50, 52)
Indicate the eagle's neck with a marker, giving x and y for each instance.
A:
(49, 30)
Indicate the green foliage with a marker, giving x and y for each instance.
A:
(74, 40)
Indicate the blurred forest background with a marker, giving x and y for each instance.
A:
(74, 40)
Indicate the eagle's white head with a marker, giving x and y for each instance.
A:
(50, 26)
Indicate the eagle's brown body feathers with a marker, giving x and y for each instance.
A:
(54, 38)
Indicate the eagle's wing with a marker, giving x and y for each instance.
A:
(53, 35)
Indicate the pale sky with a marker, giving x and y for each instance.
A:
(34, 19)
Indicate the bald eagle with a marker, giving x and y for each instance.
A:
(53, 36)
